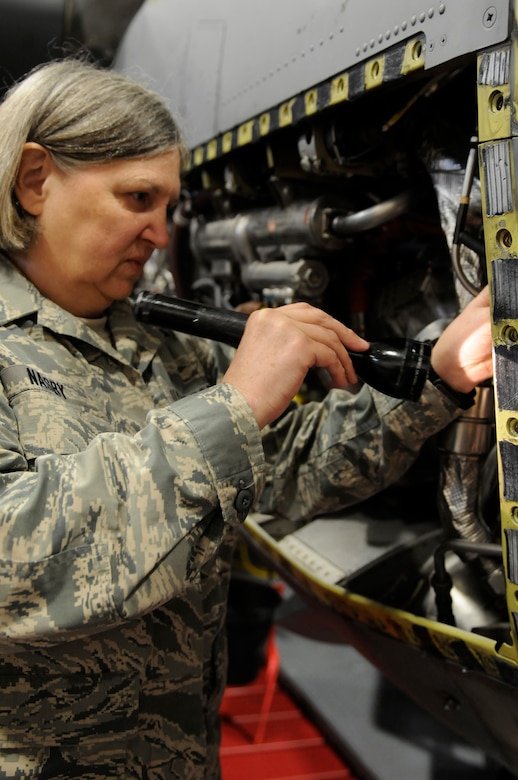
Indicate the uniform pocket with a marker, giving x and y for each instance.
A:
(57, 425)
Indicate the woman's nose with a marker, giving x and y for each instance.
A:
(156, 231)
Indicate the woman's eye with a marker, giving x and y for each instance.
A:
(140, 197)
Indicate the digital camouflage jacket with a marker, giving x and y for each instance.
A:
(124, 470)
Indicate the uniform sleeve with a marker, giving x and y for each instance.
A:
(111, 532)
(326, 456)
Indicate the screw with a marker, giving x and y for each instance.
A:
(489, 18)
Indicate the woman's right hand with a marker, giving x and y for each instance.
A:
(279, 346)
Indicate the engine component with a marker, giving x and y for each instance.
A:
(266, 233)
(306, 278)
(372, 217)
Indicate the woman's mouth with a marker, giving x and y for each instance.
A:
(136, 264)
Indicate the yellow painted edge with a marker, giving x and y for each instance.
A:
(212, 149)
(286, 113)
(226, 142)
(264, 124)
(339, 89)
(245, 133)
(414, 56)
(198, 155)
(374, 70)
(311, 101)
(390, 620)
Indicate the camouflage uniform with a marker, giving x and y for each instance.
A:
(124, 472)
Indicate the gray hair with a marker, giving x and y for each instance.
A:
(83, 115)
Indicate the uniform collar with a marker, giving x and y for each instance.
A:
(21, 300)
(19, 296)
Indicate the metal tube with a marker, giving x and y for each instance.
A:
(346, 225)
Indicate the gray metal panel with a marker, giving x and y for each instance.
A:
(223, 63)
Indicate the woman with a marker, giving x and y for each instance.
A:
(127, 457)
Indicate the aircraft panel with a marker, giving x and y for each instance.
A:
(247, 57)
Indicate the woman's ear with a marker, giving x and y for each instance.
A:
(35, 166)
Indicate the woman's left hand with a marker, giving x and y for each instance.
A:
(463, 355)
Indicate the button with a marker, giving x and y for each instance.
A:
(244, 500)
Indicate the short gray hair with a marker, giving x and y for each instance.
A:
(83, 115)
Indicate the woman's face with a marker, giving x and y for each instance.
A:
(98, 226)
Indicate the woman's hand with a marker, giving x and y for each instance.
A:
(278, 348)
(463, 354)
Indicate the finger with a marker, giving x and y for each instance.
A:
(324, 329)
(317, 338)
(331, 354)
(305, 313)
